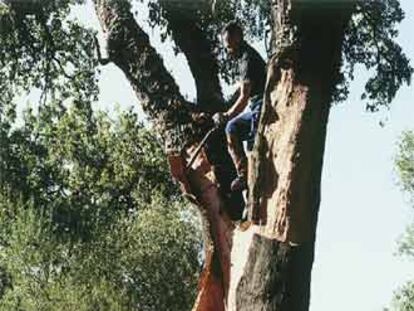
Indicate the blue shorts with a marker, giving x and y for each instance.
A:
(245, 124)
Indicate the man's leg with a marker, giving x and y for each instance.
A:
(255, 109)
(237, 131)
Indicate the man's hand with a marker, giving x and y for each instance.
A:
(220, 118)
(242, 100)
(200, 117)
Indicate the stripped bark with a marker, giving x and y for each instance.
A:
(198, 50)
(129, 48)
(286, 167)
(271, 269)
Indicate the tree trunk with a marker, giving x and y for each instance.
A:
(207, 181)
(268, 267)
(285, 171)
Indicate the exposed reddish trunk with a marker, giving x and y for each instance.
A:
(287, 161)
(209, 177)
(200, 186)
(268, 266)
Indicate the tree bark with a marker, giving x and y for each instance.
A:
(268, 267)
(206, 182)
(287, 161)
(199, 51)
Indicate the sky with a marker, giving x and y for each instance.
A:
(363, 212)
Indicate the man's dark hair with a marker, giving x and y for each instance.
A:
(233, 28)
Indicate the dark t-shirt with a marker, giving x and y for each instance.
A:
(251, 67)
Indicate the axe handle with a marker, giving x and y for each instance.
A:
(199, 147)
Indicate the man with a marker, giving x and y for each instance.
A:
(241, 123)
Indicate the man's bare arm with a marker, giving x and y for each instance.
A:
(233, 98)
(241, 102)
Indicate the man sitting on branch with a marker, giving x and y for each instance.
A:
(242, 118)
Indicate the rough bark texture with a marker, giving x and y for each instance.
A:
(279, 276)
(287, 162)
(198, 49)
(129, 48)
(269, 268)
(206, 183)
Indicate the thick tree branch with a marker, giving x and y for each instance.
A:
(129, 48)
(103, 61)
(286, 167)
(198, 49)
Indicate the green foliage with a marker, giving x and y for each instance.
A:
(404, 297)
(142, 262)
(253, 15)
(405, 162)
(405, 167)
(370, 40)
(41, 48)
(89, 217)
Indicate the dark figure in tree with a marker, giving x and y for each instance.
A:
(242, 116)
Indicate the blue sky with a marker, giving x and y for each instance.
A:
(363, 212)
